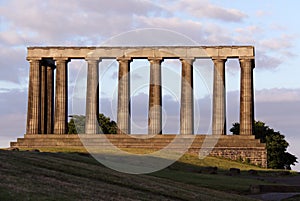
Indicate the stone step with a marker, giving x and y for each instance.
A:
(227, 146)
(68, 142)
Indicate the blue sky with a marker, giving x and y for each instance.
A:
(270, 26)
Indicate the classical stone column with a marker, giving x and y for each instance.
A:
(92, 96)
(47, 79)
(123, 116)
(219, 97)
(155, 97)
(246, 96)
(34, 98)
(50, 98)
(187, 97)
(43, 115)
(61, 96)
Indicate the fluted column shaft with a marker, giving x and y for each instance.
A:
(43, 115)
(61, 97)
(187, 97)
(123, 116)
(34, 98)
(246, 97)
(50, 98)
(219, 97)
(92, 96)
(155, 97)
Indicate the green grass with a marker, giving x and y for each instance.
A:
(74, 175)
(235, 184)
(188, 168)
(77, 176)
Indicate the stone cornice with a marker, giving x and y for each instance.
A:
(142, 52)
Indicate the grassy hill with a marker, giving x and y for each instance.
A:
(27, 175)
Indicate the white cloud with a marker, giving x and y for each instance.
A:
(282, 42)
(265, 61)
(206, 9)
(202, 33)
(278, 95)
(249, 31)
(55, 21)
(13, 64)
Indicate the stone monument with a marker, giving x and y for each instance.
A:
(47, 113)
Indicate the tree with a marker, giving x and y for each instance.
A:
(77, 124)
(277, 156)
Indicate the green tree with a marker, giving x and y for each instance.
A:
(277, 156)
(77, 124)
(107, 126)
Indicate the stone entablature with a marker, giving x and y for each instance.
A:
(143, 52)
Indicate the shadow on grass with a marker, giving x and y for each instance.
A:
(71, 174)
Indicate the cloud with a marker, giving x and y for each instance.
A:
(198, 32)
(49, 23)
(12, 125)
(272, 52)
(187, 27)
(282, 42)
(206, 9)
(11, 38)
(12, 115)
(278, 108)
(91, 23)
(13, 101)
(246, 33)
(277, 95)
(265, 61)
(13, 65)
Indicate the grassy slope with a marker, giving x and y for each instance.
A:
(71, 176)
(77, 176)
(186, 171)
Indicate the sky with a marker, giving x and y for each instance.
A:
(270, 26)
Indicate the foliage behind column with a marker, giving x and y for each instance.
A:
(77, 124)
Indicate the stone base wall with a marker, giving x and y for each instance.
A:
(253, 155)
(235, 147)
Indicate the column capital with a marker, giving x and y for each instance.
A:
(60, 59)
(155, 59)
(189, 60)
(30, 59)
(244, 60)
(123, 58)
(92, 59)
(219, 59)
